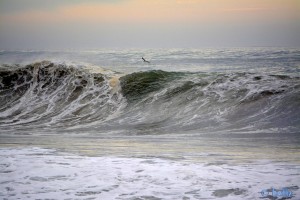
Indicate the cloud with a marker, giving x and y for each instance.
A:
(250, 9)
(145, 11)
(134, 11)
(17, 6)
(187, 1)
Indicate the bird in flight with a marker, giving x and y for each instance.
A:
(145, 60)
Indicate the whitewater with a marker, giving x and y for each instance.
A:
(191, 124)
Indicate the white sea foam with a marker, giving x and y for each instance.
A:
(35, 173)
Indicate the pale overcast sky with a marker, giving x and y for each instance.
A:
(93, 24)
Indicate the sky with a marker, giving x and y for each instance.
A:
(95, 24)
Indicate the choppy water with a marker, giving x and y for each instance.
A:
(206, 107)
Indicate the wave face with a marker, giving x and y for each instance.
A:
(53, 96)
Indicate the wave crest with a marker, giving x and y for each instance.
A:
(49, 95)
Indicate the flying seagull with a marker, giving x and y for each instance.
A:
(145, 60)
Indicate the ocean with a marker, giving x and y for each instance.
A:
(220, 123)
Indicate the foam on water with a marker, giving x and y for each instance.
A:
(35, 173)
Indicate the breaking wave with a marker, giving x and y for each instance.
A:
(55, 96)
(48, 94)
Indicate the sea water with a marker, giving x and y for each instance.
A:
(191, 124)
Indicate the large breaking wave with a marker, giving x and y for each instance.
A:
(48, 94)
(53, 96)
